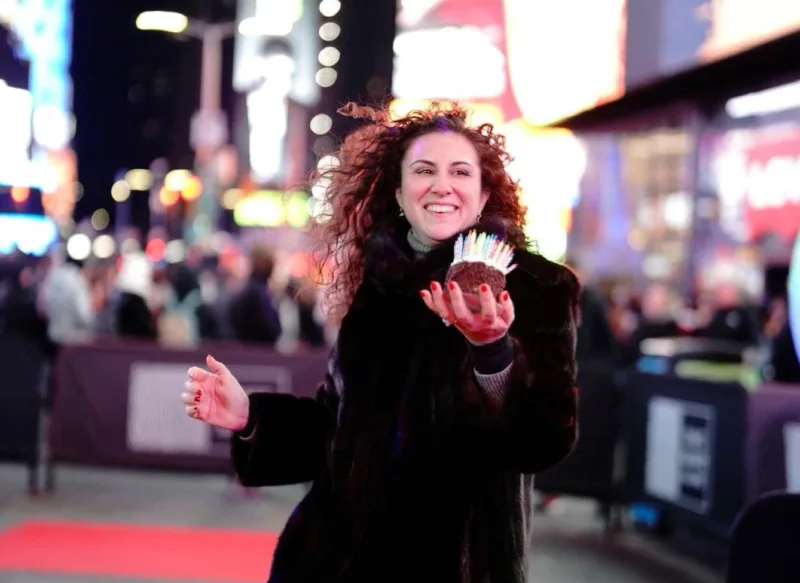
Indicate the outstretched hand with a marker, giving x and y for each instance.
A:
(481, 318)
(216, 397)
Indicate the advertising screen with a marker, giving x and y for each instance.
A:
(16, 111)
(669, 36)
(737, 25)
(531, 58)
(37, 164)
(294, 21)
(275, 64)
(755, 173)
(518, 64)
(38, 40)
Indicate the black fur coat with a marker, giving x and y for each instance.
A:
(416, 476)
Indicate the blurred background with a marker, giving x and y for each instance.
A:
(154, 207)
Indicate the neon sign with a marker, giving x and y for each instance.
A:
(43, 29)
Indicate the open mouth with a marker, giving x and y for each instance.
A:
(440, 209)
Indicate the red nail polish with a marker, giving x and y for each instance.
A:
(504, 297)
(452, 286)
(422, 294)
(484, 288)
(197, 398)
(434, 286)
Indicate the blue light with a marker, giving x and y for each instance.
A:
(31, 234)
(44, 30)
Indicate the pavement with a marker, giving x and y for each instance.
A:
(569, 544)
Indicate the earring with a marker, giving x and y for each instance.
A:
(478, 218)
(402, 213)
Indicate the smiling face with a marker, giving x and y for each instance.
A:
(440, 189)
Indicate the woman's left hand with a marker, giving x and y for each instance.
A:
(482, 320)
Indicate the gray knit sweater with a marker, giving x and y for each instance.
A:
(493, 384)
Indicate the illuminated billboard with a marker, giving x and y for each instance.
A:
(275, 63)
(293, 21)
(734, 26)
(36, 110)
(755, 174)
(669, 36)
(532, 58)
(513, 65)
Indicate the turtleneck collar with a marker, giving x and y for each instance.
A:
(416, 244)
(396, 259)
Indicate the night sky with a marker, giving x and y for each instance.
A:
(135, 91)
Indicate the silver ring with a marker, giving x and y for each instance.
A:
(446, 321)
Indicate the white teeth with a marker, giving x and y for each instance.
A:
(440, 208)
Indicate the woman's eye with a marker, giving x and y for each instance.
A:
(462, 173)
(424, 171)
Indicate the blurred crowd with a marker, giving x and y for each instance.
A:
(617, 319)
(56, 300)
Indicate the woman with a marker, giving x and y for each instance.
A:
(438, 406)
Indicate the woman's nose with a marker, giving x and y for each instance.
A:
(442, 185)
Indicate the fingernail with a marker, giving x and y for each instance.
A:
(452, 286)
(434, 286)
(197, 398)
(504, 296)
(484, 288)
(422, 294)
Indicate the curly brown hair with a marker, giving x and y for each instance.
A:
(360, 188)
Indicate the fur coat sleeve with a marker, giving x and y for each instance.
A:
(287, 438)
(535, 426)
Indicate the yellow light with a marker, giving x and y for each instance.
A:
(139, 179)
(168, 197)
(271, 208)
(173, 22)
(192, 189)
(296, 210)
(176, 179)
(20, 194)
(100, 219)
(120, 191)
(230, 198)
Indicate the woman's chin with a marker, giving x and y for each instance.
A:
(441, 233)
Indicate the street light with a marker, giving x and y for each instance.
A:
(173, 22)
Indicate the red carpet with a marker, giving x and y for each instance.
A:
(147, 552)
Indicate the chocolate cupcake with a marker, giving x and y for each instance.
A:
(479, 259)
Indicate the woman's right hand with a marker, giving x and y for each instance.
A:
(216, 397)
